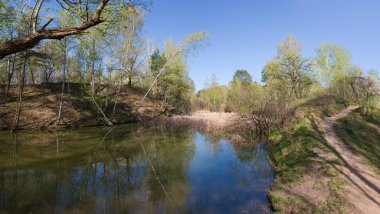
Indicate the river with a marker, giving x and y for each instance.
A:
(130, 169)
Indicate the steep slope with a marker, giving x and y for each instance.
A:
(40, 106)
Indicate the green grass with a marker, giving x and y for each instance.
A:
(359, 131)
(337, 105)
(294, 150)
(335, 203)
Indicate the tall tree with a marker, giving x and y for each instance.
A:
(130, 53)
(289, 68)
(243, 76)
(190, 43)
(86, 15)
(333, 66)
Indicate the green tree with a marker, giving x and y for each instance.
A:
(289, 70)
(334, 68)
(84, 15)
(241, 95)
(243, 76)
(176, 62)
(130, 52)
(158, 61)
(213, 97)
(177, 87)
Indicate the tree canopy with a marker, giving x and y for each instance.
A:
(243, 76)
(38, 24)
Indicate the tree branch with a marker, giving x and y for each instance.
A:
(47, 23)
(23, 43)
(35, 19)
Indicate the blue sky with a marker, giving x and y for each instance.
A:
(244, 33)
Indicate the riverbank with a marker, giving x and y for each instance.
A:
(305, 180)
(41, 103)
(309, 169)
(312, 173)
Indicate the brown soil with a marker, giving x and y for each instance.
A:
(40, 106)
(362, 183)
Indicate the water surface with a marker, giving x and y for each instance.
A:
(131, 170)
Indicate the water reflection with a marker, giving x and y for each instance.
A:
(107, 171)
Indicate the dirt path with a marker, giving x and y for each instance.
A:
(362, 183)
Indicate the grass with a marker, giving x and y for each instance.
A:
(294, 150)
(295, 153)
(362, 133)
(335, 107)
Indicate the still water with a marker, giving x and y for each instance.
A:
(131, 170)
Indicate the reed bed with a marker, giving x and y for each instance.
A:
(205, 120)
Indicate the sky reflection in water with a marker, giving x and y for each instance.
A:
(95, 169)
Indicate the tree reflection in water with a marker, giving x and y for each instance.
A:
(104, 170)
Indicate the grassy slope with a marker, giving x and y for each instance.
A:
(306, 181)
(41, 105)
(362, 134)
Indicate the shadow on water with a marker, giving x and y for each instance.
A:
(131, 170)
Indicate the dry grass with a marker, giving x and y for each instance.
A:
(40, 106)
(204, 120)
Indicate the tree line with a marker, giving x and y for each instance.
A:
(101, 46)
(289, 77)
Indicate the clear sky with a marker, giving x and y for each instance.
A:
(244, 33)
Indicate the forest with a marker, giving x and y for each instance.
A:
(103, 61)
(73, 70)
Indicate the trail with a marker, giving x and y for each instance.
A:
(362, 183)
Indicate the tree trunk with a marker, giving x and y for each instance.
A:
(20, 93)
(130, 81)
(117, 97)
(10, 74)
(8, 71)
(93, 68)
(63, 83)
(32, 76)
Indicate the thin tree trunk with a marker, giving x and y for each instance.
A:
(68, 84)
(20, 93)
(117, 98)
(130, 80)
(32, 76)
(109, 85)
(10, 74)
(63, 84)
(46, 76)
(8, 71)
(93, 69)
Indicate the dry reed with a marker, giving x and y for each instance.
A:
(204, 120)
